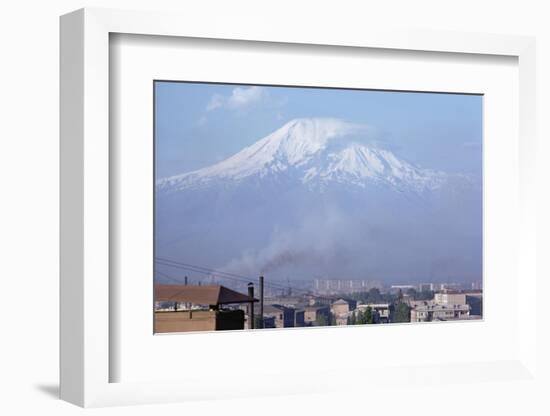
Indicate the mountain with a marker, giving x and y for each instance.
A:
(318, 198)
(316, 152)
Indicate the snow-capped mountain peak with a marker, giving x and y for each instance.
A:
(299, 139)
(314, 151)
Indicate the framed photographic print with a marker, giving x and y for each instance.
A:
(293, 212)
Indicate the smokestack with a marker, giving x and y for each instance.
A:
(251, 306)
(261, 302)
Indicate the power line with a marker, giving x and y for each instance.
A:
(168, 277)
(226, 275)
(219, 273)
(242, 281)
(207, 269)
(212, 272)
(203, 272)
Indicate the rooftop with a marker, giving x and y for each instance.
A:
(276, 308)
(316, 308)
(438, 307)
(200, 295)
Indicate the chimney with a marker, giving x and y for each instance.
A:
(251, 306)
(261, 301)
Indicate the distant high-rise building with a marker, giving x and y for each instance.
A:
(334, 286)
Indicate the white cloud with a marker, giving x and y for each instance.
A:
(240, 98)
(215, 102)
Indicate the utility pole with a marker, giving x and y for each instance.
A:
(261, 302)
(251, 306)
(289, 288)
(186, 304)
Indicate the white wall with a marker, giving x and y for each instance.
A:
(29, 177)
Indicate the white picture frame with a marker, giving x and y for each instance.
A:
(86, 353)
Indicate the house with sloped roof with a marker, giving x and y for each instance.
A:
(199, 308)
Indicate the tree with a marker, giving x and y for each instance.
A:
(352, 319)
(368, 317)
(322, 320)
(402, 312)
(360, 319)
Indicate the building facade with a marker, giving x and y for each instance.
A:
(429, 311)
(315, 314)
(283, 316)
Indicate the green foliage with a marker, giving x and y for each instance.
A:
(368, 316)
(360, 319)
(402, 312)
(322, 320)
(372, 296)
(363, 317)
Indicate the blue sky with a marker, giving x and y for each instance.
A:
(200, 124)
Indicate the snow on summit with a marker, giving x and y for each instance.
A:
(313, 151)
